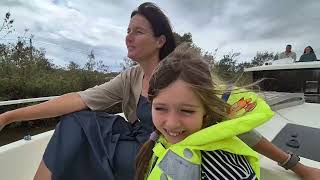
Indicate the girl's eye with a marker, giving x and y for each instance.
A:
(187, 111)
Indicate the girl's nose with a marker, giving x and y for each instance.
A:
(172, 120)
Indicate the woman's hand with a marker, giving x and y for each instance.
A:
(313, 174)
(306, 172)
(3, 121)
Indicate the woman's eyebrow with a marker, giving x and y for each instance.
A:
(137, 28)
(159, 104)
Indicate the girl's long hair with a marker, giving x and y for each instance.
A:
(184, 63)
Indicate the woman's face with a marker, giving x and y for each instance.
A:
(308, 50)
(177, 112)
(140, 40)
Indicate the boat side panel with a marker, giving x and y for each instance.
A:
(20, 160)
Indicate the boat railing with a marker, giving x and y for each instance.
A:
(22, 101)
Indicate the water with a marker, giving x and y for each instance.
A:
(16, 132)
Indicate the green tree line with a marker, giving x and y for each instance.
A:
(228, 67)
(26, 72)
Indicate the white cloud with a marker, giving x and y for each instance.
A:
(69, 29)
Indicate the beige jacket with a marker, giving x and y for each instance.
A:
(125, 88)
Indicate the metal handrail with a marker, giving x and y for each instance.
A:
(30, 100)
(21, 101)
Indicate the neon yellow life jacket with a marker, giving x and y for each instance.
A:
(181, 161)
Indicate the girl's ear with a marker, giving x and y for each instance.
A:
(161, 41)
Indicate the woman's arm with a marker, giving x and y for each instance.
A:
(98, 97)
(271, 151)
(64, 104)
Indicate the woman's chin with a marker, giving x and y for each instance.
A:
(132, 56)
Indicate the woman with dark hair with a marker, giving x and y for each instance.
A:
(97, 145)
(308, 55)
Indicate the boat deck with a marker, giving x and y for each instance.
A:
(295, 115)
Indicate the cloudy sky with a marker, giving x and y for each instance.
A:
(70, 29)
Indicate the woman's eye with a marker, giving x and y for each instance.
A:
(160, 109)
(139, 32)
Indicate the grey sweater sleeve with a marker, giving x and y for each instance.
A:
(251, 138)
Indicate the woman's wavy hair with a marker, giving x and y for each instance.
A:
(184, 63)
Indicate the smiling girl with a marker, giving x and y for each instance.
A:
(197, 133)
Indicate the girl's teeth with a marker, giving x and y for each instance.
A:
(174, 133)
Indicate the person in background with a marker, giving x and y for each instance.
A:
(288, 53)
(308, 55)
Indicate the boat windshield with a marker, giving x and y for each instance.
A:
(294, 80)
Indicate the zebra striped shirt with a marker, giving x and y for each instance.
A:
(218, 165)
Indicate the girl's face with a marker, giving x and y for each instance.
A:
(177, 112)
(140, 41)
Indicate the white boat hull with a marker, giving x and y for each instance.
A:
(20, 160)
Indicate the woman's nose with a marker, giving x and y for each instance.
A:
(129, 37)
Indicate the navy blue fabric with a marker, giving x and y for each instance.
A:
(225, 96)
(97, 145)
(144, 116)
